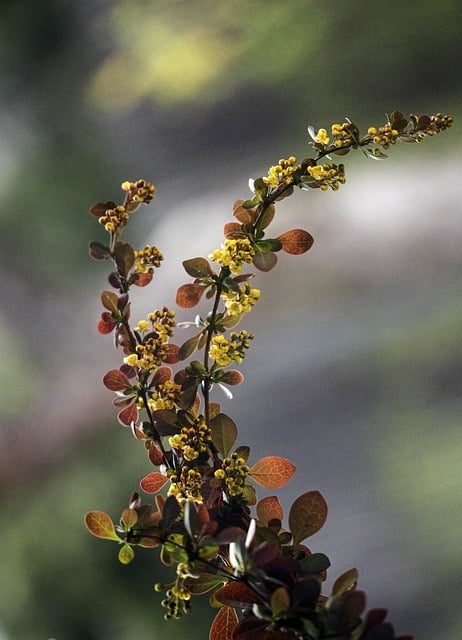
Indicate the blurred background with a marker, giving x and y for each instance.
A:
(355, 371)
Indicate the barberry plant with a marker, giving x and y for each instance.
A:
(205, 518)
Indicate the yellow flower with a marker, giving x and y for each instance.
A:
(322, 137)
(233, 254)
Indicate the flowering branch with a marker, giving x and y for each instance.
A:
(265, 581)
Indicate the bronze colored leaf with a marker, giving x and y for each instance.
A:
(188, 347)
(307, 515)
(224, 624)
(198, 267)
(143, 279)
(232, 377)
(99, 524)
(232, 230)
(115, 380)
(173, 354)
(345, 582)
(269, 508)
(129, 518)
(272, 472)
(188, 295)
(265, 261)
(153, 482)
(100, 208)
(296, 241)
(107, 323)
(110, 301)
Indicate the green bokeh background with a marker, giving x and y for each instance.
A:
(355, 372)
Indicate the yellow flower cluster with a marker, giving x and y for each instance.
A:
(328, 175)
(224, 351)
(114, 218)
(281, 173)
(139, 191)
(242, 301)
(163, 323)
(233, 254)
(165, 396)
(192, 441)
(177, 597)
(233, 473)
(322, 137)
(438, 123)
(342, 134)
(186, 486)
(148, 258)
(149, 355)
(385, 136)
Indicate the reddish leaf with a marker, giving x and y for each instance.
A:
(272, 472)
(129, 518)
(100, 208)
(307, 515)
(155, 455)
(188, 295)
(236, 594)
(173, 354)
(128, 415)
(143, 279)
(232, 377)
(223, 624)
(269, 508)
(98, 251)
(115, 380)
(296, 241)
(100, 525)
(153, 482)
(232, 230)
(107, 323)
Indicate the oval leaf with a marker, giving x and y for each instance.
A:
(296, 241)
(188, 295)
(115, 380)
(269, 508)
(236, 594)
(99, 524)
(197, 267)
(232, 377)
(188, 347)
(272, 472)
(307, 515)
(153, 482)
(109, 300)
(265, 261)
(126, 554)
(224, 624)
(224, 433)
(345, 582)
(128, 416)
(143, 279)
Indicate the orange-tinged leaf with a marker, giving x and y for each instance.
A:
(143, 279)
(155, 455)
(232, 230)
(115, 380)
(232, 377)
(129, 518)
(272, 472)
(269, 508)
(173, 354)
(153, 482)
(188, 295)
(307, 515)
(128, 415)
(100, 525)
(106, 323)
(126, 554)
(224, 624)
(296, 241)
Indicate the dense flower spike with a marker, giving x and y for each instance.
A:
(267, 583)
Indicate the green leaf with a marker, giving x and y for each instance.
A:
(307, 515)
(188, 347)
(198, 267)
(99, 524)
(224, 433)
(316, 563)
(126, 554)
(345, 582)
(265, 261)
